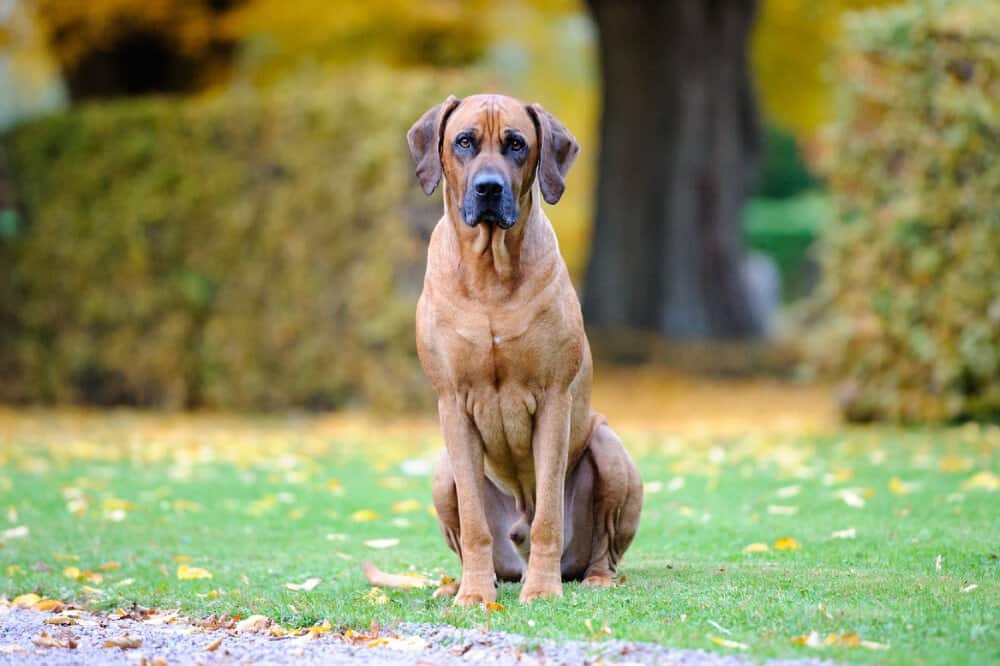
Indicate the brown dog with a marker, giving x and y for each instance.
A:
(500, 336)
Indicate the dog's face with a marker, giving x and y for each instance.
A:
(490, 148)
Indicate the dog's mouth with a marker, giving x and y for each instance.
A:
(493, 217)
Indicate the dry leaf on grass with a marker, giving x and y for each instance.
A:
(308, 585)
(186, 572)
(26, 600)
(756, 548)
(849, 533)
(985, 480)
(381, 544)
(407, 506)
(364, 516)
(19, 532)
(379, 578)
(786, 543)
(725, 642)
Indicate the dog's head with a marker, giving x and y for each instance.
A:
(491, 148)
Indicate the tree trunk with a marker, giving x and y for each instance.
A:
(679, 148)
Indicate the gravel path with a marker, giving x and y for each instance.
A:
(183, 643)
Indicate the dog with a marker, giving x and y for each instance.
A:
(533, 485)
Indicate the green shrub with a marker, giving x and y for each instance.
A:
(242, 252)
(911, 292)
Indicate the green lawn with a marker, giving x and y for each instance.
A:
(259, 503)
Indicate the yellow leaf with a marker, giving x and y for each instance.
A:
(214, 645)
(812, 640)
(872, 645)
(187, 505)
(185, 572)
(335, 486)
(49, 605)
(364, 516)
(494, 607)
(954, 464)
(26, 600)
(406, 506)
(60, 620)
(843, 640)
(899, 487)
(182, 558)
(786, 543)
(985, 480)
(756, 548)
(780, 510)
(14, 569)
(110, 566)
(725, 642)
(376, 597)
(380, 544)
(91, 590)
(115, 504)
(92, 577)
(72, 572)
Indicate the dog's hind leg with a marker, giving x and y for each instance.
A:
(617, 503)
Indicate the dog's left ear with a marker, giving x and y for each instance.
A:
(557, 149)
(424, 139)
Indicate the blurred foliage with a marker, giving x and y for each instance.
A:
(784, 172)
(794, 47)
(911, 292)
(238, 252)
(785, 229)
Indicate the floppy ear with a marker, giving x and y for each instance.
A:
(557, 149)
(425, 142)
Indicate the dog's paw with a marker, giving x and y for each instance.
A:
(475, 595)
(532, 591)
(598, 580)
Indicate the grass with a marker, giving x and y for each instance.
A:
(259, 503)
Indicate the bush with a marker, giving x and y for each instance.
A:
(911, 294)
(243, 252)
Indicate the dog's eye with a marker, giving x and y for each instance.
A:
(516, 145)
(463, 142)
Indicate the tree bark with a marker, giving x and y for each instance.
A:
(679, 148)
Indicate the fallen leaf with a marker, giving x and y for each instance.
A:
(969, 588)
(376, 597)
(779, 510)
(72, 572)
(849, 533)
(60, 620)
(110, 566)
(46, 641)
(255, 624)
(19, 532)
(407, 506)
(306, 586)
(812, 640)
(985, 480)
(49, 605)
(756, 548)
(786, 543)
(850, 640)
(185, 572)
(851, 497)
(937, 563)
(380, 544)
(124, 642)
(725, 642)
(11, 649)
(405, 644)
(899, 487)
(494, 607)
(214, 645)
(872, 645)
(379, 578)
(26, 600)
(788, 491)
(954, 464)
(364, 516)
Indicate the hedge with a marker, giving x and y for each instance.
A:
(910, 300)
(249, 251)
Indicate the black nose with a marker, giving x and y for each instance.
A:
(488, 185)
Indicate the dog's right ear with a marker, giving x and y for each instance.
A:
(425, 142)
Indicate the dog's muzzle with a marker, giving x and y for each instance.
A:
(489, 199)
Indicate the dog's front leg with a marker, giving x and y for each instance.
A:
(550, 449)
(465, 449)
